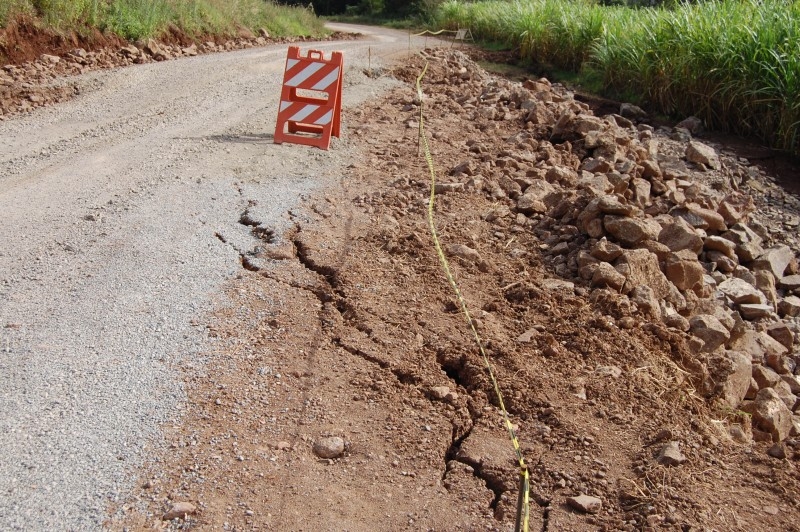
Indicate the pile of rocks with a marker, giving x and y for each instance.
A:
(693, 239)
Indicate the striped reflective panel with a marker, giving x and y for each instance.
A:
(304, 74)
(305, 113)
(327, 81)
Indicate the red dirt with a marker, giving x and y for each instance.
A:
(350, 330)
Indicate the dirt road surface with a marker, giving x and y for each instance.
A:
(120, 230)
(205, 331)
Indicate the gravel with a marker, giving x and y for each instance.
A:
(113, 207)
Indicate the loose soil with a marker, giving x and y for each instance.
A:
(346, 326)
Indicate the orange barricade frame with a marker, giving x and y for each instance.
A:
(316, 118)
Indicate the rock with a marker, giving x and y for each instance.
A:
(789, 306)
(606, 251)
(782, 365)
(680, 235)
(713, 221)
(699, 153)
(677, 321)
(439, 392)
(765, 282)
(685, 272)
(771, 414)
(608, 371)
(765, 377)
(735, 385)
(329, 447)
(640, 267)
(755, 311)
(782, 333)
(656, 248)
(527, 336)
(610, 204)
(777, 450)
(723, 245)
(446, 188)
(739, 435)
(790, 282)
(632, 112)
(671, 455)
(793, 381)
(691, 124)
(775, 260)
(641, 192)
(740, 291)
(52, 59)
(179, 510)
(561, 175)
(785, 393)
(758, 345)
(585, 503)
(631, 231)
(722, 263)
(464, 252)
(748, 243)
(532, 200)
(709, 329)
(606, 275)
(644, 298)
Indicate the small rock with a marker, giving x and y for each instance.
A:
(681, 235)
(439, 392)
(608, 371)
(585, 503)
(179, 510)
(631, 231)
(755, 311)
(606, 275)
(782, 333)
(697, 152)
(777, 450)
(329, 447)
(671, 455)
(691, 124)
(789, 306)
(464, 252)
(790, 282)
(771, 414)
(709, 329)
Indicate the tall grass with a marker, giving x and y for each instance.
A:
(733, 63)
(141, 19)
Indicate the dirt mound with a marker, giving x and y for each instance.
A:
(346, 328)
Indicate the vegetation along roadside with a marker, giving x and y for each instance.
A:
(136, 20)
(733, 63)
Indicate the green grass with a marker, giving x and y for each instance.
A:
(142, 19)
(733, 63)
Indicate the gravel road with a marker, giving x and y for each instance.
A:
(120, 228)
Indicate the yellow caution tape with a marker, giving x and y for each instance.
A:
(523, 503)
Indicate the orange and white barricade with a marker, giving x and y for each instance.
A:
(309, 118)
